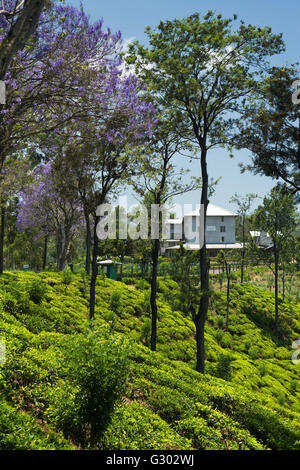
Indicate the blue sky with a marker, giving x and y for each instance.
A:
(132, 16)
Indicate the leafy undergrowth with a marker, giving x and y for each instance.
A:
(59, 368)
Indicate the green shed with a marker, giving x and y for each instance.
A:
(110, 268)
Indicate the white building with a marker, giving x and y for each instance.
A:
(220, 231)
(261, 239)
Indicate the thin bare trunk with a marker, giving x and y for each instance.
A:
(94, 271)
(87, 242)
(2, 233)
(200, 317)
(153, 303)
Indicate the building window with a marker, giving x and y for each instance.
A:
(222, 219)
(172, 232)
(194, 223)
(223, 239)
(222, 228)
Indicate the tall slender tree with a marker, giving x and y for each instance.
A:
(203, 70)
(270, 129)
(63, 76)
(51, 205)
(277, 216)
(161, 181)
(244, 205)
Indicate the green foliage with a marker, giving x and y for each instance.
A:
(224, 366)
(134, 427)
(61, 372)
(115, 301)
(171, 405)
(66, 278)
(37, 290)
(146, 331)
(18, 431)
(97, 370)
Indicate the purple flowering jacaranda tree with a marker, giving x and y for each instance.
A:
(67, 75)
(51, 205)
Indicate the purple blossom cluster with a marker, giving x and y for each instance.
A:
(71, 71)
(46, 204)
(67, 86)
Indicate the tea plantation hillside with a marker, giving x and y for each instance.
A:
(69, 384)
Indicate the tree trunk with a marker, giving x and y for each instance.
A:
(121, 268)
(153, 304)
(200, 317)
(283, 282)
(21, 30)
(88, 242)
(63, 244)
(94, 270)
(2, 232)
(45, 252)
(276, 268)
(228, 270)
(243, 253)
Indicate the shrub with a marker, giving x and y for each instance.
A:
(220, 321)
(262, 368)
(146, 302)
(146, 331)
(171, 405)
(97, 369)
(134, 427)
(253, 352)
(111, 318)
(219, 335)
(224, 366)
(115, 301)
(19, 431)
(66, 278)
(226, 340)
(37, 290)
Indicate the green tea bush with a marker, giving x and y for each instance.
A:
(146, 331)
(134, 427)
(66, 278)
(115, 301)
(226, 340)
(111, 318)
(146, 302)
(170, 404)
(141, 284)
(224, 366)
(219, 335)
(19, 431)
(62, 373)
(97, 369)
(220, 322)
(37, 290)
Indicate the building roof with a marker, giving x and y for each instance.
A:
(213, 211)
(107, 262)
(174, 221)
(254, 233)
(210, 246)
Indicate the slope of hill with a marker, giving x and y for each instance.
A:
(248, 399)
